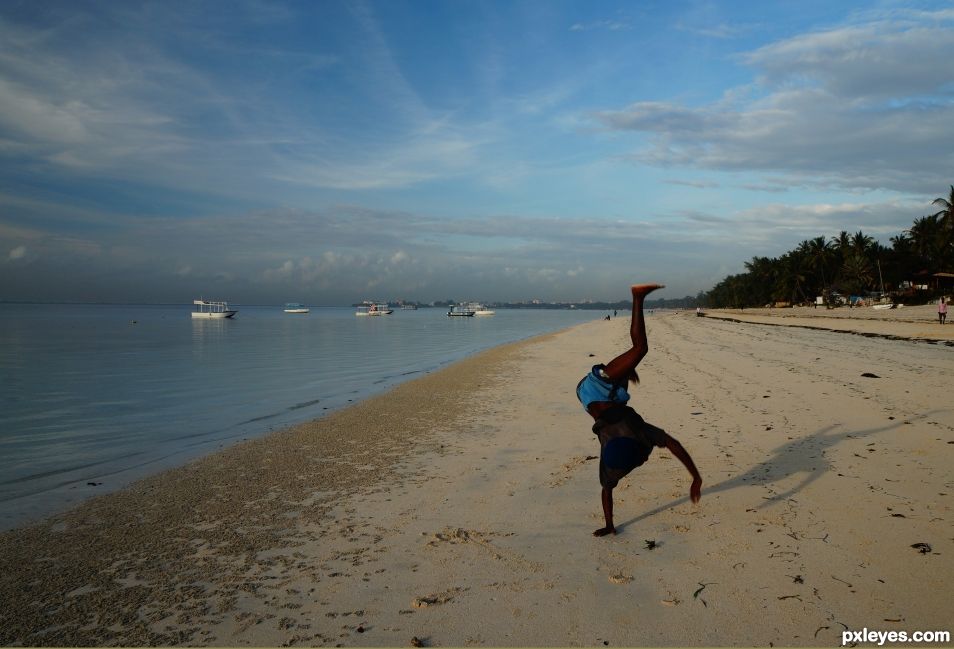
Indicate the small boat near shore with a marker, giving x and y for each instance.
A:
(295, 307)
(209, 309)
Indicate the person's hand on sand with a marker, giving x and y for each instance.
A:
(642, 290)
(695, 491)
(603, 531)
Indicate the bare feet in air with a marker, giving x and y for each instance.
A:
(641, 290)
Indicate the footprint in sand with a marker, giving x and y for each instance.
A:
(620, 578)
(436, 599)
(482, 541)
(560, 479)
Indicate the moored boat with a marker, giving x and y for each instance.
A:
(372, 309)
(206, 309)
(461, 310)
(295, 307)
(480, 309)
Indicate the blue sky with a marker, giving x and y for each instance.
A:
(329, 152)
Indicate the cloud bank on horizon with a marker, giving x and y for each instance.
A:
(336, 151)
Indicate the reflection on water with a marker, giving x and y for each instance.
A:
(106, 393)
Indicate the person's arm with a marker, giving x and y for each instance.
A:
(607, 499)
(695, 490)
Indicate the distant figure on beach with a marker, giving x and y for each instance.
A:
(942, 310)
(626, 441)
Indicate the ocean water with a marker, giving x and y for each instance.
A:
(97, 396)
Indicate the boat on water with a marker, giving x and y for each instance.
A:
(374, 309)
(409, 307)
(480, 309)
(295, 307)
(209, 309)
(461, 310)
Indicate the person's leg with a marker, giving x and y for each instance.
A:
(620, 368)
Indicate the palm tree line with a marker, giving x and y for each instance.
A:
(846, 264)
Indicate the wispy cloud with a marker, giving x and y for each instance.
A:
(859, 107)
(331, 150)
(69, 102)
(720, 30)
(698, 184)
(613, 25)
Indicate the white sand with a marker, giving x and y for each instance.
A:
(477, 531)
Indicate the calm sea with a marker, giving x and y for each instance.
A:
(96, 396)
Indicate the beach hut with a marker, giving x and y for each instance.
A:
(943, 281)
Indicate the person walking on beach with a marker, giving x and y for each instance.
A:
(626, 440)
(942, 310)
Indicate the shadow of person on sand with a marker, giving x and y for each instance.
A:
(805, 455)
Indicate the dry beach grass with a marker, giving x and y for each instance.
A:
(457, 509)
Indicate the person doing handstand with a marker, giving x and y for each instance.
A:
(626, 441)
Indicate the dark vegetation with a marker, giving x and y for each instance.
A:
(914, 269)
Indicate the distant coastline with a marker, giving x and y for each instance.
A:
(673, 303)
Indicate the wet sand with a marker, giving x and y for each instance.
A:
(457, 509)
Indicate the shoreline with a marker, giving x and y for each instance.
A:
(178, 497)
(143, 433)
(457, 509)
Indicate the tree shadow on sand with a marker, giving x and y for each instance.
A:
(805, 455)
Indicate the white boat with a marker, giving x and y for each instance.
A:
(206, 309)
(884, 306)
(294, 307)
(461, 310)
(374, 309)
(480, 309)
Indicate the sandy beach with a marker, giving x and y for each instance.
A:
(907, 322)
(457, 509)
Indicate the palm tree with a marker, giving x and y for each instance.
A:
(841, 248)
(861, 242)
(842, 242)
(856, 272)
(947, 210)
(815, 266)
(841, 245)
(901, 242)
(762, 273)
(926, 240)
(818, 251)
(790, 278)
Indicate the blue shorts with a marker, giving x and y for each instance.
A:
(593, 387)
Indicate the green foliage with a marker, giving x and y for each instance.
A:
(845, 264)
